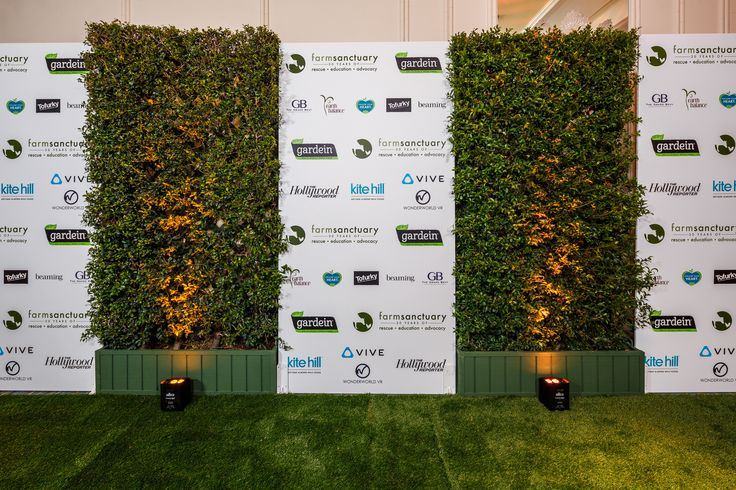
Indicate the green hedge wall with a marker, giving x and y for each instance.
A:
(182, 149)
(546, 211)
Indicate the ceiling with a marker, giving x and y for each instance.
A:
(517, 14)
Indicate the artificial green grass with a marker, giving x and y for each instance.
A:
(367, 441)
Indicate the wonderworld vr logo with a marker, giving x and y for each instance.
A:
(417, 64)
(675, 147)
(64, 66)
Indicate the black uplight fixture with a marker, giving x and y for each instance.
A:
(176, 393)
(554, 393)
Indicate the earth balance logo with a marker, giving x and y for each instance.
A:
(728, 145)
(364, 323)
(692, 101)
(365, 105)
(417, 64)
(660, 56)
(330, 106)
(727, 100)
(418, 237)
(671, 323)
(313, 151)
(14, 150)
(332, 278)
(313, 324)
(674, 148)
(10, 64)
(17, 192)
(723, 189)
(15, 106)
(691, 277)
(296, 279)
(724, 276)
(363, 150)
(57, 236)
(366, 278)
(344, 62)
(298, 64)
(401, 104)
(48, 106)
(64, 66)
(674, 189)
(14, 320)
(724, 321)
(297, 235)
(15, 277)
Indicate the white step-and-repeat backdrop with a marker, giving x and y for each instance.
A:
(367, 203)
(43, 246)
(687, 163)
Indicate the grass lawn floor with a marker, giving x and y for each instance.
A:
(367, 441)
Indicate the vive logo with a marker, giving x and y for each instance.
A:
(408, 179)
(298, 237)
(724, 323)
(15, 321)
(705, 352)
(365, 323)
(660, 56)
(657, 236)
(56, 179)
(15, 106)
(364, 150)
(14, 151)
(298, 65)
(729, 145)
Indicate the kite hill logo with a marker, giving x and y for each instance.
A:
(313, 324)
(674, 148)
(17, 192)
(660, 56)
(417, 64)
(14, 151)
(56, 236)
(727, 100)
(671, 323)
(724, 276)
(14, 320)
(64, 66)
(418, 237)
(657, 236)
(723, 189)
(724, 321)
(298, 64)
(313, 151)
(15, 106)
(728, 145)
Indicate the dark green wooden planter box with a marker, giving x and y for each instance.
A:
(138, 372)
(516, 373)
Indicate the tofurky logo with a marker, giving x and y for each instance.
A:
(15, 321)
(728, 147)
(66, 362)
(48, 106)
(674, 148)
(417, 64)
(672, 362)
(691, 277)
(660, 56)
(363, 150)
(313, 324)
(15, 277)
(15, 106)
(365, 323)
(298, 237)
(727, 100)
(365, 105)
(671, 323)
(64, 66)
(407, 237)
(724, 323)
(693, 102)
(14, 151)
(332, 278)
(298, 65)
(401, 104)
(66, 236)
(421, 366)
(724, 276)
(366, 278)
(313, 151)
(17, 192)
(657, 236)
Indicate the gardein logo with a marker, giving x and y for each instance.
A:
(313, 151)
(724, 276)
(417, 64)
(48, 105)
(365, 105)
(727, 100)
(728, 146)
(297, 236)
(14, 151)
(64, 66)
(401, 104)
(15, 321)
(57, 236)
(15, 106)
(660, 56)
(671, 323)
(15, 277)
(425, 238)
(674, 148)
(298, 65)
(366, 278)
(363, 150)
(657, 236)
(724, 322)
(692, 277)
(313, 324)
(365, 323)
